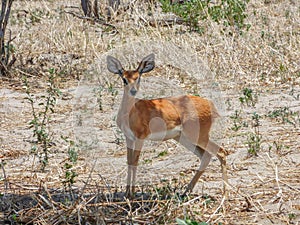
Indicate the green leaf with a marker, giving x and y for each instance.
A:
(68, 166)
(180, 222)
(51, 71)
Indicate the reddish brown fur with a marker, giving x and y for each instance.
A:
(131, 75)
(174, 111)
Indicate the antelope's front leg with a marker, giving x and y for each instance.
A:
(133, 154)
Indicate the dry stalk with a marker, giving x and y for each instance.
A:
(217, 209)
(275, 168)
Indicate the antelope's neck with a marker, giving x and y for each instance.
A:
(127, 104)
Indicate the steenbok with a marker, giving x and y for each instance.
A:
(186, 119)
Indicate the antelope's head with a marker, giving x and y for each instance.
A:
(131, 78)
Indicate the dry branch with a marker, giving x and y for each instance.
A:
(165, 22)
(5, 49)
(96, 20)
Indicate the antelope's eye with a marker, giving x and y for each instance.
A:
(125, 81)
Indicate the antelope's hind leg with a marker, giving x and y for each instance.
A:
(205, 160)
(204, 156)
(221, 154)
(222, 158)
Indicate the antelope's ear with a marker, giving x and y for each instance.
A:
(147, 64)
(114, 65)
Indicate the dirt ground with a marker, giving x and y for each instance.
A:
(264, 187)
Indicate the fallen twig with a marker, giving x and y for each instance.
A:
(96, 20)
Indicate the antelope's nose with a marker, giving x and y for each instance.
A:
(133, 91)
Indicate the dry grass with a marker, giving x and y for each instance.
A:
(219, 64)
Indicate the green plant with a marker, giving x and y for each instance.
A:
(249, 97)
(113, 92)
(237, 124)
(291, 216)
(14, 217)
(255, 120)
(164, 192)
(254, 143)
(70, 173)
(280, 148)
(108, 88)
(283, 73)
(163, 153)
(37, 15)
(41, 109)
(254, 139)
(147, 161)
(208, 200)
(119, 137)
(189, 11)
(99, 94)
(229, 12)
(285, 115)
(228, 104)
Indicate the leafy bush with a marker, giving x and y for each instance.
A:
(228, 12)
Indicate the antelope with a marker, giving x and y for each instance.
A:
(186, 119)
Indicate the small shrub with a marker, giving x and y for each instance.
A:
(70, 173)
(249, 97)
(237, 121)
(119, 136)
(255, 120)
(291, 216)
(113, 92)
(254, 143)
(41, 109)
(109, 89)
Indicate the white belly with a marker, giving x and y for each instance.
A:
(165, 134)
(154, 136)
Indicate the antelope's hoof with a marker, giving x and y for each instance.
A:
(129, 193)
